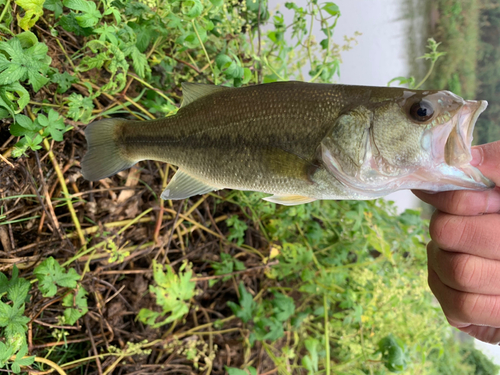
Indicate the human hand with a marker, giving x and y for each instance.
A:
(464, 254)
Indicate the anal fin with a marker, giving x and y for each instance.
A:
(184, 186)
(289, 200)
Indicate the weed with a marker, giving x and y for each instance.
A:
(13, 322)
(227, 265)
(172, 294)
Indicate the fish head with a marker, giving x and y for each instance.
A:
(412, 140)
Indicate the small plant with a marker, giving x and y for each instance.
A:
(13, 322)
(393, 353)
(227, 265)
(173, 293)
(49, 274)
(267, 317)
(433, 56)
(250, 370)
(237, 229)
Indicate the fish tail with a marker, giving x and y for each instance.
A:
(105, 156)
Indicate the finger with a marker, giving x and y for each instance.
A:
(461, 307)
(487, 334)
(475, 235)
(464, 272)
(463, 202)
(487, 159)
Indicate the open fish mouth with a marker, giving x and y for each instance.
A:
(457, 150)
(458, 144)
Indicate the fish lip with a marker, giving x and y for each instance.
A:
(469, 114)
(457, 151)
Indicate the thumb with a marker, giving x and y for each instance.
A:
(487, 159)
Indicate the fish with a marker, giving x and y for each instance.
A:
(299, 141)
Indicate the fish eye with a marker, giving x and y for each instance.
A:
(421, 111)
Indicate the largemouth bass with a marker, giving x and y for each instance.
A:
(299, 141)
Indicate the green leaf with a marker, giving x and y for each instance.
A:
(16, 89)
(26, 122)
(53, 125)
(148, 317)
(64, 81)
(222, 60)
(144, 35)
(107, 32)
(7, 18)
(49, 274)
(227, 265)
(20, 361)
(55, 6)
(173, 292)
(16, 288)
(4, 113)
(6, 351)
(15, 323)
(284, 307)
(33, 8)
(80, 107)
(24, 64)
(237, 229)
(18, 291)
(81, 5)
(27, 39)
(393, 353)
(96, 62)
(140, 63)
(247, 305)
(192, 8)
(217, 3)
(77, 306)
(310, 361)
(33, 143)
(332, 9)
(236, 371)
(247, 76)
(24, 127)
(270, 329)
(69, 23)
(89, 17)
(135, 9)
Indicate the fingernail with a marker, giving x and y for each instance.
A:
(477, 157)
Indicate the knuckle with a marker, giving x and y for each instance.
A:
(443, 229)
(465, 271)
(457, 202)
(495, 309)
(468, 306)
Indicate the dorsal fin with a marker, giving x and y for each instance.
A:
(194, 91)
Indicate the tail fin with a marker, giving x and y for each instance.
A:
(104, 156)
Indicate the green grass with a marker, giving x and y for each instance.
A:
(457, 28)
(469, 33)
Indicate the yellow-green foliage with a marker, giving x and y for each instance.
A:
(457, 28)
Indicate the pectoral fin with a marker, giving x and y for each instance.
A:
(184, 186)
(289, 200)
(282, 162)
